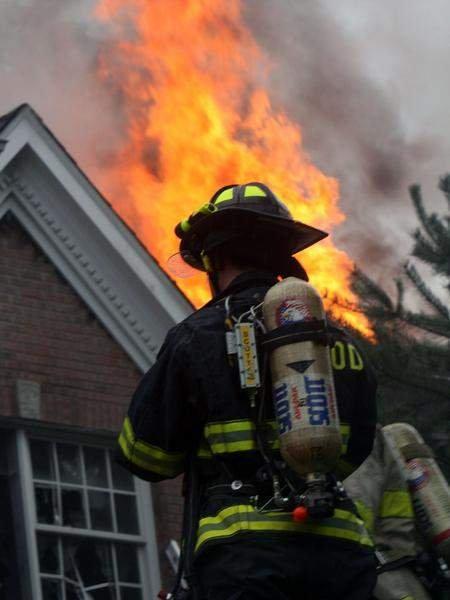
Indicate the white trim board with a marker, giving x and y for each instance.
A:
(85, 239)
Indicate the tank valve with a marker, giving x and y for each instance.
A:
(318, 500)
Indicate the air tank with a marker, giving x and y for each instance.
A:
(429, 490)
(302, 381)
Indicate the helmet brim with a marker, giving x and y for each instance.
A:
(294, 236)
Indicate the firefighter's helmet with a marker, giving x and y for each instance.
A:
(252, 211)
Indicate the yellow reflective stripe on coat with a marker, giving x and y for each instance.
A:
(148, 457)
(396, 504)
(366, 514)
(344, 428)
(203, 450)
(243, 518)
(237, 436)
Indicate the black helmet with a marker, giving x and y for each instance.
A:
(235, 211)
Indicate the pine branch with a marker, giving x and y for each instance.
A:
(434, 228)
(418, 383)
(432, 324)
(371, 293)
(436, 358)
(425, 291)
(437, 256)
(444, 186)
(416, 196)
(442, 232)
(400, 294)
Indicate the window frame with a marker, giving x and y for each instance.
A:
(145, 542)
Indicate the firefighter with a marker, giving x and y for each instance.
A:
(190, 415)
(408, 570)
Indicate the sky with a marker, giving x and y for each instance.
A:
(367, 81)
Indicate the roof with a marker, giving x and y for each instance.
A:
(85, 238)
(5, 119)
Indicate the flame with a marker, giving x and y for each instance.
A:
(192, 83)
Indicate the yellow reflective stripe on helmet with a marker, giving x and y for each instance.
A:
(397, 504)
(225, 195)
(185, 225)
(237, 436)
(367, 515)
(241, 518)
(253, 190)
(148, 457)
(205, 209)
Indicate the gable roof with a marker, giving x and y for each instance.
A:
(83, 236)
(5, 119)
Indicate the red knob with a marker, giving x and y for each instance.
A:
(299, 514)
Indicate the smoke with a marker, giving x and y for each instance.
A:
(366, 81)
(48, 54)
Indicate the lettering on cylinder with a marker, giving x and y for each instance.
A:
(421, 514)
(316, 394)
(281, 401)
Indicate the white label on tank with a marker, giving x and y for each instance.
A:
(304, 401)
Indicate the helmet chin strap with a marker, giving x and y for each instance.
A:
(213, 278)
(213, 274)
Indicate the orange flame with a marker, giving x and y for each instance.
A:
(192, 80)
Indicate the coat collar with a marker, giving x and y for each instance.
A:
(245, 281)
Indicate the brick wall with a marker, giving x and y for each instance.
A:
(48, 335)
(168, 505)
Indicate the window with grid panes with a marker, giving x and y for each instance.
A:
(87, 526)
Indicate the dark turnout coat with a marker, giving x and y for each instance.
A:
(190, 401)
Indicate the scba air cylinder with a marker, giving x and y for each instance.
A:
(302, 381)
(428, 488)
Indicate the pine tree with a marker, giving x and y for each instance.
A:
(412, 353)
(432, 246)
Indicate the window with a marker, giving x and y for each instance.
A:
(90, 523)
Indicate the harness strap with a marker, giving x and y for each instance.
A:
(416, 450)
(395, 564)
(315, 331)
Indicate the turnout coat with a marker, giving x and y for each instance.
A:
(190, 404)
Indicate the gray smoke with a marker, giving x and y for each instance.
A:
(366, 81)
(48, 54)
